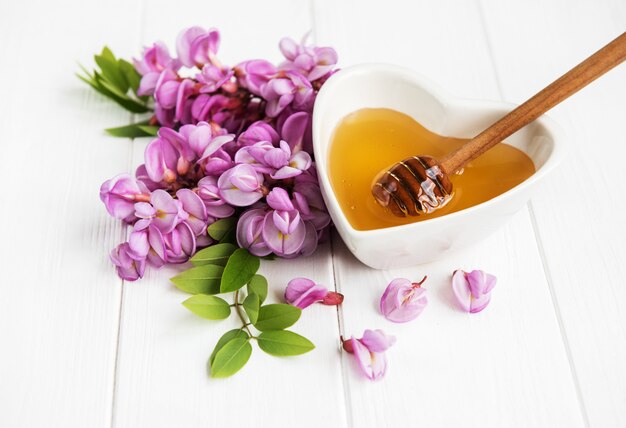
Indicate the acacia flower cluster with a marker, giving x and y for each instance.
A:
(233, 142)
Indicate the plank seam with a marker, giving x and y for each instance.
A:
(538, 241)
(121, 301)
(340, 327)
(559, 318)
(340, 321)
(117, 354)
(132, 119)
(123, 235)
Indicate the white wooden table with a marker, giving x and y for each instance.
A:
(81, 348)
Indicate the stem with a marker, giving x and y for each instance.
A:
(241, 317)
(419, 284)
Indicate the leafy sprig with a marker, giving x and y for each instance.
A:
(222, 269)
(118, 80)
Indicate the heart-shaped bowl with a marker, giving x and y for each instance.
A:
(387, 86)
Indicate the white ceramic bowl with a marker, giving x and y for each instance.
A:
(380, 85)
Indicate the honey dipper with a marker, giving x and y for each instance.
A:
(421, 184)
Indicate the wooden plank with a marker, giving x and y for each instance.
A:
(583, 241)
(506, 366)
(60, 305)
(162, 379)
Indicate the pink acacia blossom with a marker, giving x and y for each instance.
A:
(173, 154)
(155, 59)
(278, 162)
(286, 164)
(254, 74)
(311, 238)
(161, 160)
(193, 205)
(254, 155)
(303, 292)
(210, 195)
(120, 194)
(156, 255)
(249, 232)
(283, 231)
(168, 211)
(403, 300)
(180, 244)
(308, 200)
(196, 46)
(287, 88)
(213, 78)
(127, 267)
(313, 62)
(369, 352)
(241, 186)
(473, 290)
(257, 132)
(166, 89)
(295, 128)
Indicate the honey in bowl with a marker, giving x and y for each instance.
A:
(370, 140)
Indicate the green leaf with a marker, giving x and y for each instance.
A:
(111, 70)
(284, 343)
(99, 83)
(110, 87)
(220, 228)
(133, 130)
(150, 130)
(251, 305)
(199, 280)
(88, 80)
(132, 76)
(110, 91)
(131, 105)
(91, 81)
(107, 53)
(227, 337)
(209, 307)
(277, 316)
(231, 357)
(230, 236)
(240, 268)
(87, 73)
(258, 286)
(214, 255)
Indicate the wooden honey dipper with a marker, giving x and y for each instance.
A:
(421, 184)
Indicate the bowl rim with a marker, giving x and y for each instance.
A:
(447, 99)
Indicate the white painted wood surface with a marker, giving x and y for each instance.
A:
(82, 348)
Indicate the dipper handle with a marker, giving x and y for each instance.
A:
(571, 82)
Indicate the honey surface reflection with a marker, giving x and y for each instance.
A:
(370, 140)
